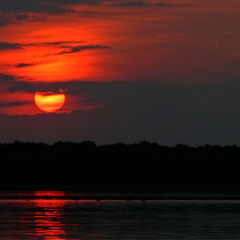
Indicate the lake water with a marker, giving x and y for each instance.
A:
(51, 219)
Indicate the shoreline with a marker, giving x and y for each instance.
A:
(124, 197)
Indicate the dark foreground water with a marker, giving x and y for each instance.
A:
(83, 219)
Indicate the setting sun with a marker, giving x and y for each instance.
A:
(49, 101)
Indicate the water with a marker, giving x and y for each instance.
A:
(54, 219)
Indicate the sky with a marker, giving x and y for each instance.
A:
(162, 71)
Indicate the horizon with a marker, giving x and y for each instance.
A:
(178, 145)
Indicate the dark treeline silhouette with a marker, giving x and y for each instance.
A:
(82, 164)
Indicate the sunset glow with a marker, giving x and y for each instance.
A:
(117, 61)
(77, 41)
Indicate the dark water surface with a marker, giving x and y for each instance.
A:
(89, 219)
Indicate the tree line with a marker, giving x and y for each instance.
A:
(140, 164)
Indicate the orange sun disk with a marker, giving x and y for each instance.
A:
(49, 101)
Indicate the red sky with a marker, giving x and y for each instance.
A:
(165, 71)
(183, 42)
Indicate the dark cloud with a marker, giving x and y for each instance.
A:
(13, 104)
(8, 45)
(16, 11)
(145, 94)
(36, 6)
(5, 20)
(114, 2)
(136, 111)
(74, 49)
(21, 17)
(55, 43)
(17, 86)
(132, 4)
(89, 2)
(60, 44)
(141, 4)
(59, 6)
(22, 65)
(15, 18)
(7, 78)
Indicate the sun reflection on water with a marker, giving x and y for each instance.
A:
(49, 217)
(49, 194)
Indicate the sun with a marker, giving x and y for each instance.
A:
(50, 101)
